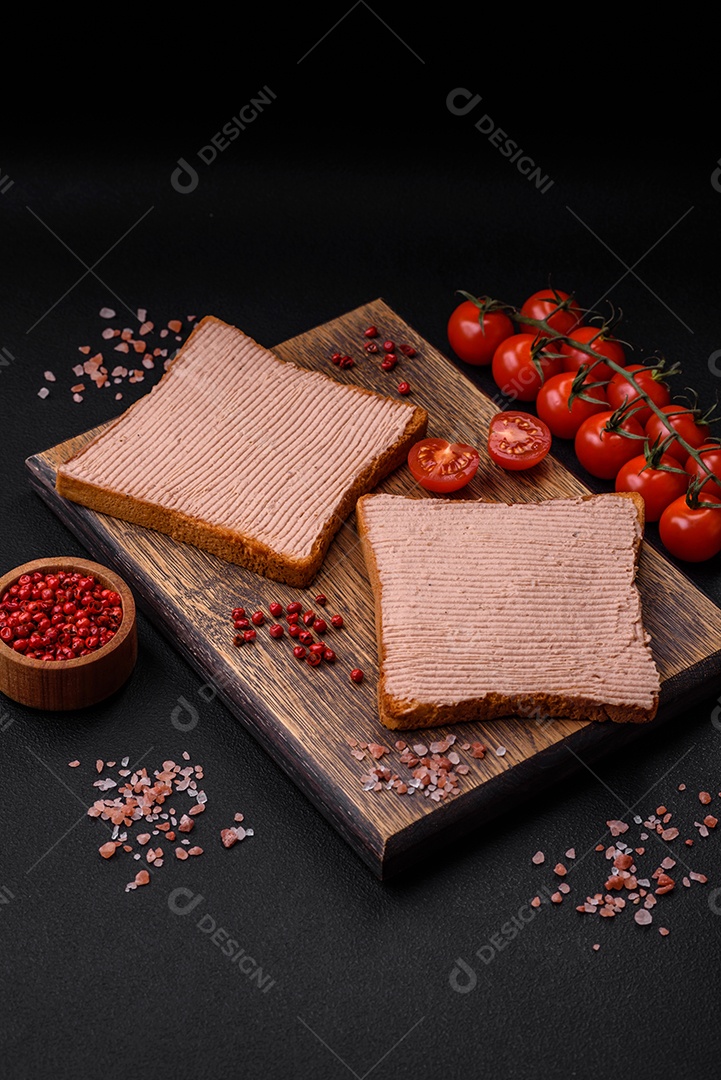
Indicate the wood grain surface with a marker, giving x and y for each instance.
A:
(304, 716)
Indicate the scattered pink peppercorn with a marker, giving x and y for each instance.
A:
(371, 332)
(356, 675)
(404, 388)
(337, 621)
(276, 630)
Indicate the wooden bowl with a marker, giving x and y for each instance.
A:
(71, 684)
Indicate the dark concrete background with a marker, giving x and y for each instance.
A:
(356, 180)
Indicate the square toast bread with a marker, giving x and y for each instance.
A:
(485, 609)
(245, 455)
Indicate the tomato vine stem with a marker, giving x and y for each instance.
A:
(695, 486)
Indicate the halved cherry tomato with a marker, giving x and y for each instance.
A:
(658, 486)
(692, 535)
(602, 343)
(514, 370)
(558, 308)
(475, 330)
(441, 466)
(711, 457)
(517, 440)
(683, 420)
(552, 405)
(601, 452)
(620, 390)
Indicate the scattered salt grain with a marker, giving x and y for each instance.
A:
(106, 313)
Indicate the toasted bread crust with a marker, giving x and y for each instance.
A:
(406, 715)
(226, 543)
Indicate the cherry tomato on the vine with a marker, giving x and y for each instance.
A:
(685, 422)
(594, 338)
(441, 466)
(517, 440)
(658, 486)
(711, 457)
(552, 405)
(619, 390)
(514, 369)
(558, 308)
(601, 452)
(476, 329)
(692, 535)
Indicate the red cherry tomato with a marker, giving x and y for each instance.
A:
(552, 405)
(682, 420)
(441, 466)
(558, 308)
(601, 452)
(658, 486)
(595, 339)
(711, 457)
(475, 333)
(514, 369)
(692, 535)
(619, 390)
(517, 440)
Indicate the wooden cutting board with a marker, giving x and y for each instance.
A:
(304, 716)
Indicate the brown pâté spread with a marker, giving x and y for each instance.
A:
(238, 439)
(482, 598)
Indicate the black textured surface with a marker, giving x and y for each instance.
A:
(356, 181)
